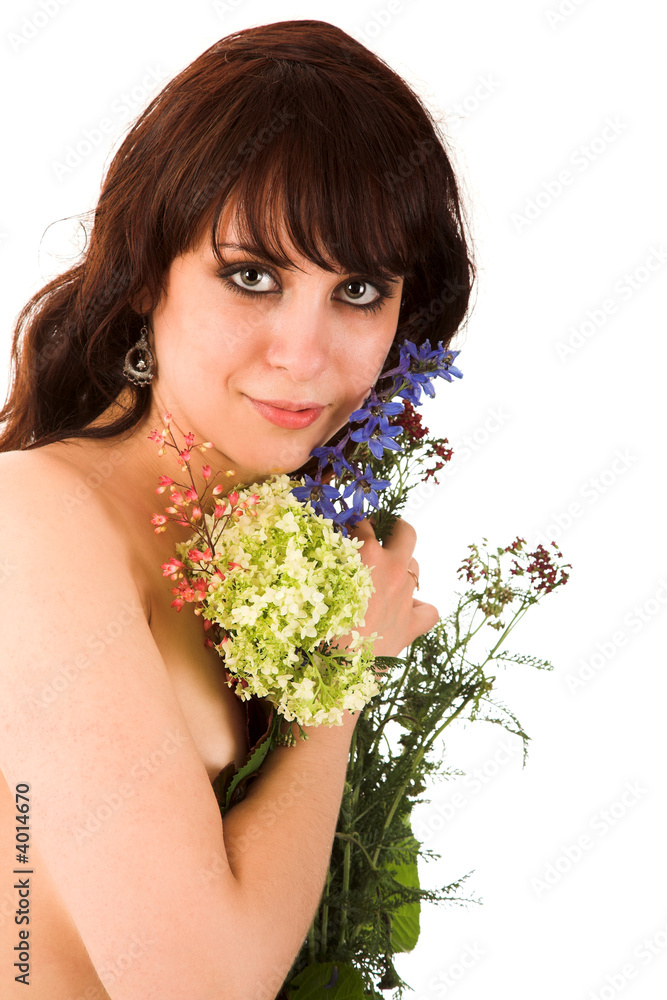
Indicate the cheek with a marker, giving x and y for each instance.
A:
(215, 353)
(366, 363)
(361, 369)
(204, 322)
(238, 334)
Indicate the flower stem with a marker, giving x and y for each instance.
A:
(397, 689)
(418, 756)
(311, 944)
(324, 927)
(347, 850)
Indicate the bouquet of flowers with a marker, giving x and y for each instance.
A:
(277, 581)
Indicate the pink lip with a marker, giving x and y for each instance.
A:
(287, 413)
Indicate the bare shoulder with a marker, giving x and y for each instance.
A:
(68, 482)
(19, 467)
(69, 599)
(64, 492)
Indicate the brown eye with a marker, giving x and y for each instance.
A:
(358, 292)
(250, 278)
(355, 289)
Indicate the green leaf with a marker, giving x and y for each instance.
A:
(405, 920)
(252, 764)
(232, 780)
(313, 983)
(389, 662)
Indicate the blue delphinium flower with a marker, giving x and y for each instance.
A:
(422, 354)
(406, 383)
(332, 455)
(445, 367)
(364, 488)
(401, 368)
(348, 516)
(413, 390)
(414, 374)
(378, 438)
(375, 412)
(432, 362)
(438, 364)
(319, 494)
(419, 366)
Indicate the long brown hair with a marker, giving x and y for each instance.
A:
(301, 125)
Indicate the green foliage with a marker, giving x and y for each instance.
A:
(326, 981)
(405, 920)
(229, 785)
(371, 902)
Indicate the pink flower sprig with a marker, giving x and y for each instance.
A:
(542, 569)
(183, 496)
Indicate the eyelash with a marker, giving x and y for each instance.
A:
(382, 286)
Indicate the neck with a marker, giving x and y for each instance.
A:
(140, 466)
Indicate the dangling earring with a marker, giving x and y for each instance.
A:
(142, 370)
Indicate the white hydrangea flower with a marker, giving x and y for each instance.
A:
(299, 585)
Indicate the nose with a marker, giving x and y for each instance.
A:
(299, 340)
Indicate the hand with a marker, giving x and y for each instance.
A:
(393, 612)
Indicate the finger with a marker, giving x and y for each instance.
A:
(426, 617)
(402, 540)
(363, 530)
(412, 575)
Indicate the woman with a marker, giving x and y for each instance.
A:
(276, 222)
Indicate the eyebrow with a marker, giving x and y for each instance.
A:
(245, 248)
(237, 246)
(252, 252)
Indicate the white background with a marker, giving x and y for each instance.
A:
(549, 442)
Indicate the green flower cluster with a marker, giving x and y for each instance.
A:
(296, 586)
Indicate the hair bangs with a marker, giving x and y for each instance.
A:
(325, 192)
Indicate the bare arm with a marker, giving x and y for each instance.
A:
(278, 842)
(279, 838)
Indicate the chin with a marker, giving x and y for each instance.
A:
(259, 470)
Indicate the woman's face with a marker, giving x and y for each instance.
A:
(266, 363)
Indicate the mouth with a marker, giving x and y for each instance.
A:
(287, 412)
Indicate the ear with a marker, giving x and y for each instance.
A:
(141, 303)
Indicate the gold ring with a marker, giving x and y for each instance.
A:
(414, 576)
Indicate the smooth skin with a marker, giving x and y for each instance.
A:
(191, 899)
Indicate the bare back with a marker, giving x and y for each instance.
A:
(209, 719)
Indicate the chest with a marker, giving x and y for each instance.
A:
(215, 716)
